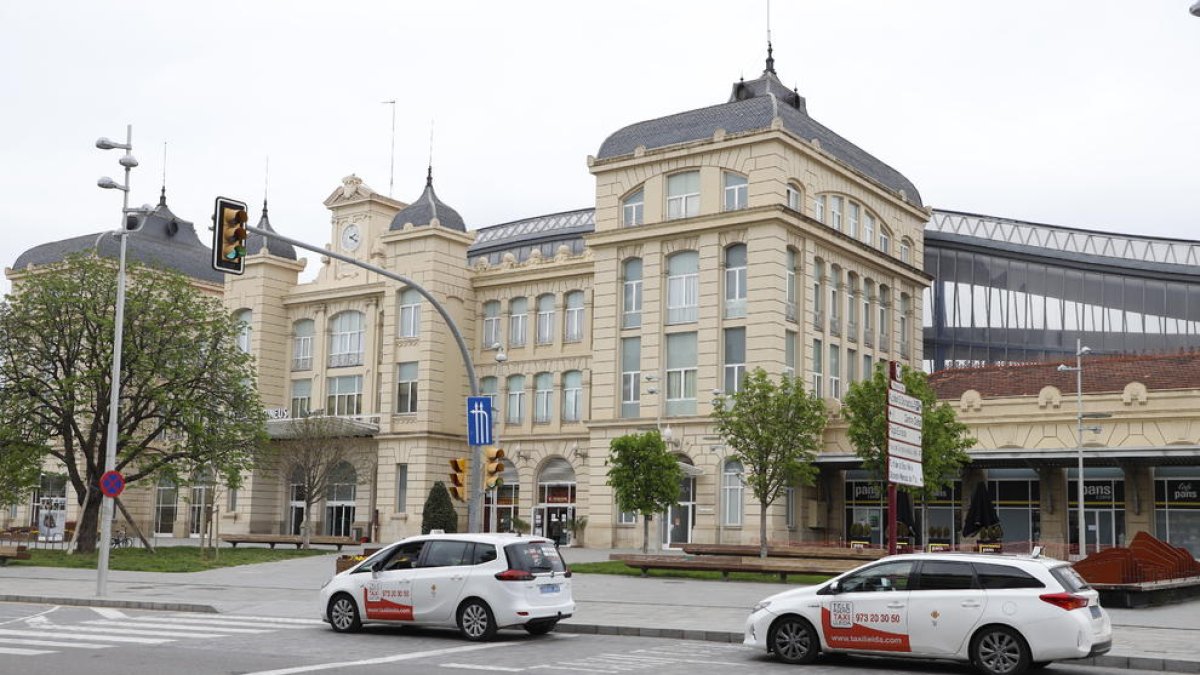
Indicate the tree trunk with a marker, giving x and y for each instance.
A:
(133, 523)
(762, 529)
(306, 529)
(89, 522)
(645, 534)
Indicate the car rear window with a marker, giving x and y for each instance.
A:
(993, 576)
(534, 557)
(1069, 578)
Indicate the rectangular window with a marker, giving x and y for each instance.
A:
(302, 352)
(790, 290)
(683, 298)
(681, 374)
(401, 488)
(627, 518)
(885, 242)
(406, 388)
(410, 314)
(631, 377)
(731, 493)
(819, 208)
(789, 353)
(851, 365)
(631, 316)
(518, 324)
(835, 372)
(344, 396)
(735, 291)
(545, 322)
(572, 406)
(793, 199)
(735, 359)
(818, 387)
(346, 348)
(867, 372)
(301, 398)
(868, 228)
(516, 399)
(231, 499)
(573, 324)
(852, 220)
(683, 195)
(633, 209)
(905, 253)
(543, 397)
(789, 508)
(835, 213)
(491, 331)
(735, 192)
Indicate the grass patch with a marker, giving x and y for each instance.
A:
(165, 559)
(617, 567)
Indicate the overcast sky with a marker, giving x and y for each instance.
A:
(1083, 113)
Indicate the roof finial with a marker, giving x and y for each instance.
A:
(770, 59)
(429, 177)
(162, 198)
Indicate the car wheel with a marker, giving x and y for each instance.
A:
(793, 640)
(476, 622)
(997, 650)
(540, 627)
(343, 614)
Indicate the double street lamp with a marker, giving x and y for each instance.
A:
(1080, 416)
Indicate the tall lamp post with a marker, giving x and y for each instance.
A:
(1080, 352)
(114, 399)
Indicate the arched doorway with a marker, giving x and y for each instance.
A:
(555, 505)
(339, 500)
(500, 505)
(677, 523)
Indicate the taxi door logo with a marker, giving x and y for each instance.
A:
(841, 614)
(846, 629)
(386, 602)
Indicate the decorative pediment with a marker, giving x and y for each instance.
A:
(1135, 392)
(353, 189)
(971, 401)
(1049, 397)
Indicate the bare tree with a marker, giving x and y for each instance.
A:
(314, 454)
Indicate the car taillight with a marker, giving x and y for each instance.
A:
(514, 575)
(1067, 601)
(566, 571)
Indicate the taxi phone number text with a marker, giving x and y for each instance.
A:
(863, 617)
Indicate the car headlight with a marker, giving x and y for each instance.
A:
(760, 606)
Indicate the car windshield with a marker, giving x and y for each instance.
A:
(534, 556)
(1069, 578)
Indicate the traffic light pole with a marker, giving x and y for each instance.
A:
(476, 472)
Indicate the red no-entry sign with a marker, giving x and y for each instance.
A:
(112, 484)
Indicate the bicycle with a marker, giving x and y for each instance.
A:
(121, 540)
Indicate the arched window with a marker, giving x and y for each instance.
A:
(683, 195)
(346, 339)
(410, 313)
(735, 191)
(731, 493)
(491, 324)
(543, 397)
(852, 211)
(631, 296)
(490, 386)
(791, 294)
(302, 344)
(885, 240)
(852, 292)
(868, 313)
(735, 281)
(905, 310)
(885, 327)
(835, 212)
(518, 321)
(573, 320)
(683, 287)
(906, 250)
(818, 298)
(795, 197)
(633, 208)
(835, 300)
(545, 319)
(572, 406)
(244, 319)
(868, 228)
(516, 398)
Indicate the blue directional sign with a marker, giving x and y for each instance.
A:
(479, 420)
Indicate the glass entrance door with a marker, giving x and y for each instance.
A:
(676, 528)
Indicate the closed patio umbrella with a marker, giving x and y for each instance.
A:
(981, 512)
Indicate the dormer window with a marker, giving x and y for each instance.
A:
(683, 195)
(795, 198)
(735, 192)
(633, 208)
(835, 213)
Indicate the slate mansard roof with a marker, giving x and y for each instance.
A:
(165, 241)
(753, 106)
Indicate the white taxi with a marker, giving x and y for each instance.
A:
(1002, 613)
(479, 583)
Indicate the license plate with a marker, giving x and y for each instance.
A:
(1095, 611)
(549, 588)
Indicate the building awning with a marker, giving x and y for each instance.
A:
(689, 470)
(1062, 457)
(332, 427)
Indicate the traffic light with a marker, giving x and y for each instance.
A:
(458, 478)
(229, 236)
(493, 468)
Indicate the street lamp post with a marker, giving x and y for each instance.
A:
(1080, 352)
(114, 399)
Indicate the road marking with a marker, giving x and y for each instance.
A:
(105, 638)
(473, 666)
(181, 628)
(575, 669)
(31, 617)
(23, 652)
(110, 613)
(383, 659)
(223, 622)
(241, 617)
(127, 631)
(50, 643)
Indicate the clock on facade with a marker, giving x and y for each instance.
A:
(351, 237)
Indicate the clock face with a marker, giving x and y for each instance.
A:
(351, 237)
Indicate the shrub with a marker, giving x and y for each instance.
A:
(439, 513)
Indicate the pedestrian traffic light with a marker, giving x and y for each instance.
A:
(458, 478)
(229, 236)
(493, 468)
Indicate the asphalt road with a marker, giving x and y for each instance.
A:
(46, 639)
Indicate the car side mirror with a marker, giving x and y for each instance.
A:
(377, 567)
(834, 587)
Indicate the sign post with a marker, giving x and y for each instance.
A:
(479, 434)
(904, 455)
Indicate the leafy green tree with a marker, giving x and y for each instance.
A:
(439, 513)
(187, 394)
(20, 464)
(644, 476)
(944, 439)
(775, 431)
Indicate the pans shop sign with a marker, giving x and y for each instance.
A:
(1178, 494)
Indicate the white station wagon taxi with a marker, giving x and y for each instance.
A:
(477, 582)
(1002, 613)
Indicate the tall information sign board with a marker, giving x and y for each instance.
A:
(903, 465)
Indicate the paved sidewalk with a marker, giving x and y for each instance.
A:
(1160, 638)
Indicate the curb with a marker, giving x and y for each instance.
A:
(105, 602)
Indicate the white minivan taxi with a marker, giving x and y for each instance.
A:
(478, 583)
(1004, 614)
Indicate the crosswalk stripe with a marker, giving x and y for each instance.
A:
(110, 613)
(242, 617)
(51, 643)
(23, 652)
(129, 631)
(221, 622)
(174, 627)
(101, 638)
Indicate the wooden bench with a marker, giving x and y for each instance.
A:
(728, 563)
(13, 553)
(862, 555)
(293, 539)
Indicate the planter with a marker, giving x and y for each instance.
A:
(345, 562)
(937, 547)
(990, 547)
(859, 544)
